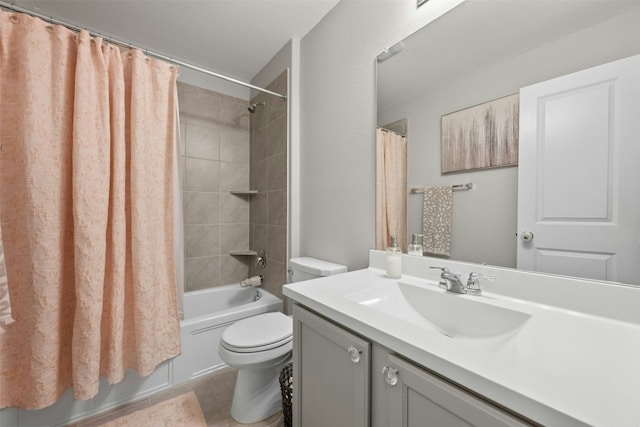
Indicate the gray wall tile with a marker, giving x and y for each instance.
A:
(259, 208)
(234, 268)
(234, 237)
(199, 104)
(260, 117)
(259, 175)
(277, 136)
(203, 142)
(202, 240)
(234, 176)
(259, 237)
(234, 209)
(202, 175)
(260, 146)
(277, 243)
(277, 172)
(276, 208)
(234, 145)
(234, 114)
(201, 208)
(202, 273)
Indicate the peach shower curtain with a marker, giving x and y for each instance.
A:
(86, 211)
(391, 189)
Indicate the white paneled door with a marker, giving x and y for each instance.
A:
(579, 174)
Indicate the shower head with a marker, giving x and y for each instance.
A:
(252, 108)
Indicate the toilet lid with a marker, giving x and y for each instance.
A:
(259, 332)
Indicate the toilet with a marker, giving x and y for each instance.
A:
(260, 346)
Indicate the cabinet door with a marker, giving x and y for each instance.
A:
(418, 398)
(330, 375)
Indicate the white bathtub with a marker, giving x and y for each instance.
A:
(206, 315)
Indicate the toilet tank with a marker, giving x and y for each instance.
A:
(305, 268)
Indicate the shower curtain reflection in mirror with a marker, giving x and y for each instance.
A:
(391, 188)
(86, 205)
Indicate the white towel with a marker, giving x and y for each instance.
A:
(5, 303)
(436, 220)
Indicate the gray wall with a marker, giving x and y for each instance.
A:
(485, 219)
(338, 119)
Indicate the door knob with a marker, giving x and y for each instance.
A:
(526, 236)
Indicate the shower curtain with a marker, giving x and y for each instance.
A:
(391, 189)
(86, 205)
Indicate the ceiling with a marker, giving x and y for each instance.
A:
(231, 37)
(425, 59)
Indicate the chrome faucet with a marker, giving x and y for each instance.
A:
(453, 282)
(473, 287)
(450, 281)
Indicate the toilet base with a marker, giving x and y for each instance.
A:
(257, 392)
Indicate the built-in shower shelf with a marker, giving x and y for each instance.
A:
(243, 253)
(244, 192)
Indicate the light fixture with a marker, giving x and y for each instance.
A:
(390, 51)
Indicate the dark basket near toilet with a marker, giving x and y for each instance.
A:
(286, 386)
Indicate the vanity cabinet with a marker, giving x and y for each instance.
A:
(331, 374)
(415, 397)
(337, 374)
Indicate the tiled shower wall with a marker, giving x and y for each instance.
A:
(215, 147)
(269, 176)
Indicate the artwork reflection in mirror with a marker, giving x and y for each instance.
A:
(503, 48)
(482, 136)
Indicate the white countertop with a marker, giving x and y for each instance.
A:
(563, 367)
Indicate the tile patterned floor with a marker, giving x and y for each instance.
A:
(214, 392)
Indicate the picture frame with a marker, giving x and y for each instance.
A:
(482, 136)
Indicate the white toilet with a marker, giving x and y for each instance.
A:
(260, 346)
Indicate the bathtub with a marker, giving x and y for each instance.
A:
(207, 313)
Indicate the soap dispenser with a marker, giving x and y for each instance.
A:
(415, 248)
(394, 260)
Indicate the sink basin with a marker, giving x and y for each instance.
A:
(454, 315)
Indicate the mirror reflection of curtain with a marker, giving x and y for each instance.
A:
(391, 188)
(86, 197)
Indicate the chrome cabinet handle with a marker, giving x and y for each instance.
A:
(390, 375)
(354, 354)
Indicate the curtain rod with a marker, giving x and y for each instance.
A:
(166, 58)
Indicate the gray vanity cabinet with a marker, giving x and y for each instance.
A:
(331, 374)
(417, 398)
(344, 380)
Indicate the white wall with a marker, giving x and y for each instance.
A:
(338, 119)
(484, 219)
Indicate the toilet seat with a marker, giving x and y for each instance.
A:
(258, 333)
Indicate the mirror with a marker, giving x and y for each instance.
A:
(481, 51)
